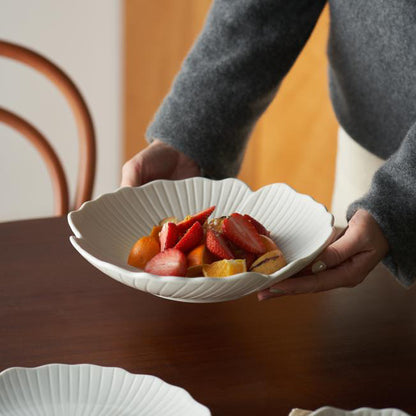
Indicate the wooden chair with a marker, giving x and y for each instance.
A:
(86, 135)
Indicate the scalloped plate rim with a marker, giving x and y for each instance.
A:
(87, 204)
(358, 411)
(35, 369)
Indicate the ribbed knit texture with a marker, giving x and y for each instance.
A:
(244, 51)
(392, 202)
(230, 77)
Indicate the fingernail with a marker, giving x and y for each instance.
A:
(319, 266)
(262, 297)
(273, 292)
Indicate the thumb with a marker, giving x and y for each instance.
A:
(346, 245)
(131, 172)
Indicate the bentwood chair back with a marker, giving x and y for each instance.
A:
(85, 128)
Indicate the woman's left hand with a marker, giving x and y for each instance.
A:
(344, 263)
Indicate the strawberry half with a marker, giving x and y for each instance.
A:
(191, 238)
(261, 229)
(171, 262)
(201, 217)
(243, 234)
(168, 236)
(240, 253)
(217, 245)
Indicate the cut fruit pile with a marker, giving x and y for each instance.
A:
(196, 246)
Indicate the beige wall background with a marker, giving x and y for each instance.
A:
(294, 141)
(84, 38)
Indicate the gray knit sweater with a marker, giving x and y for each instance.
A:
(244, 51)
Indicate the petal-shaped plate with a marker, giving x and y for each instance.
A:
(88, 390)
(362, 411)
(105, 230)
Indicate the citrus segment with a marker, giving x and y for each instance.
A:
(224, 268)
(143, 250)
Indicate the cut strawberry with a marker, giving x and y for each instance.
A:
(217, 245)
(250, 258)
(240, 253)
(168, 236)
(201, 217)
(171, 262)
(261, 229)
(242, 233)
(191, 238)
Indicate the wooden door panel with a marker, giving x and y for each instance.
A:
(294, 141)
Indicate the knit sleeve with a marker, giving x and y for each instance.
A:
(230, 76)
(391, 200)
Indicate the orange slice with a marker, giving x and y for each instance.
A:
(143, 250)
(268, 243)
(224, 268)
(199, 256)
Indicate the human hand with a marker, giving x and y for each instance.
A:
(344, 263)
(158, 161)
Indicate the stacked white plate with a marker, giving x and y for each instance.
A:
(90, 390)
(363, 411)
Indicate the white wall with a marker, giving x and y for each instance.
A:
(84, 38)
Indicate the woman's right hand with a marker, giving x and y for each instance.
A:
(158, 161)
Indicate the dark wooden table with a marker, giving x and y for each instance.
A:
(346, 348)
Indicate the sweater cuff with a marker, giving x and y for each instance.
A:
(391, 201)
(202, 172)
(400, 259)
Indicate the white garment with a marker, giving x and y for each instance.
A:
(355, 167)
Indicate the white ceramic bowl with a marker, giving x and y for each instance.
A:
(362, 411)
(105, 230)
(91, 390)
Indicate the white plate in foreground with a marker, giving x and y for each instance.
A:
(105, 230)
(91, 390)
(363, 411)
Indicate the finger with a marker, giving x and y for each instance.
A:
(306, 271)
(131, 173)
(341, 233)
(348, 274)
(345, 246)
(145, 165)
